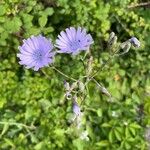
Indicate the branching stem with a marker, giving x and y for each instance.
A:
(18, 124)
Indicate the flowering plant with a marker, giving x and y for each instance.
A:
(37, 52)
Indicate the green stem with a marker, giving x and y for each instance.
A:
(103, 65)
(63, 74)
(47, 76)
(18, 124)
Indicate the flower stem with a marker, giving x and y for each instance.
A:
(103, 65)
(60, 72)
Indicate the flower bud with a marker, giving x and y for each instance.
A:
(111, 36)
(81, 86)
(125, 46)
(105, 91)
(112, 39)
(76, 109)
(135, 42)
(73, 86)
(66, 85)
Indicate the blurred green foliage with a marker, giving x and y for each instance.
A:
(34, 104)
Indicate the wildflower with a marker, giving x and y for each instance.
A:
(135, 42)
(73, 40)
(36, 52)
(76, 109)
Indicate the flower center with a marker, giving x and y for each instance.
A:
(37, 55)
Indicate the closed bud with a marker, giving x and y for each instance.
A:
(125, 46)
(75, 98)
(73, 86)
(135, 42)
(105, 91)
(76, 109)
(66, 85)
(81, 86)
(112, 40)
(111, 36)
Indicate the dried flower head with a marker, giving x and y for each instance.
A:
(36, 52)
(73, 40)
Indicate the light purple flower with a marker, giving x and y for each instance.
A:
(135, 42)
(76, 109)
(73, 40)
(36, 52)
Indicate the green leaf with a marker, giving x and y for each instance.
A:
(103, 143)
(5, 128)
(132, 130)
(127, 132)
(3, 9)
(39, 146)
(136, 126)
(118, 135)
(99, 112)
(78, 144)
(49, 11)
(13, 25)
(59, 132)
(48, 30)
(42, 21)
(106, 125)
(111, 136)
(9, 142)
(127, 145)
(33, 138)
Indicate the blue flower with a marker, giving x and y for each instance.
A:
(36, 52)
(135, 42)
(73, 40)
(76, 109)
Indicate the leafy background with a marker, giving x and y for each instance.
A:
(30, 99)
